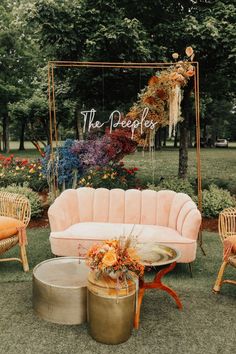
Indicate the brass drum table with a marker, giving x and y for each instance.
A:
(60, 290)
(153, 255)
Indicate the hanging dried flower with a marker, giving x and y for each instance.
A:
(163, 97)
(189, 51)
(190, 73)
(149, 100)
(175, 55)
(177, 77)
(180, 70)
(162, 94)
(153, 81)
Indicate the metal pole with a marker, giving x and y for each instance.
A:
(198, 147)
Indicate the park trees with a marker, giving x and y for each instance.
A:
(33, 32)
(18, 62)
(88, 31)
(209, 27)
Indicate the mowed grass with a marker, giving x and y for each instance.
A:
(217, 165)
(206, 324)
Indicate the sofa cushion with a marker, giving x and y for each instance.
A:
(78, 238)
(8, 226)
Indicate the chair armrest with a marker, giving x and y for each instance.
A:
(64, 211)
(15, 206)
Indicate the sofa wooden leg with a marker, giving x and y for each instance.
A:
(24, 259)
(190, 269)
(200, 241)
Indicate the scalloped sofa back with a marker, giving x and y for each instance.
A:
(80, 217)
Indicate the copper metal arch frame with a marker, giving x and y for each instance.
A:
(66, 64)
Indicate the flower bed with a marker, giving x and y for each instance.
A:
(111, 176)
(18, 171)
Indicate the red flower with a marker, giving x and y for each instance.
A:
(24, 162)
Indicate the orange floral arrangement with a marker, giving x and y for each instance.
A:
(162, 96)
(115, 258)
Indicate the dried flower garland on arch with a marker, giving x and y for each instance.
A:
(162, 97)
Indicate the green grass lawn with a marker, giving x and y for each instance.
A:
(206, 324)
(217, 165)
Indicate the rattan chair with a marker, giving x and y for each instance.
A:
(227, 228)
(18, 207)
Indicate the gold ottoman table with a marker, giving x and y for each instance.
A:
(60, 290)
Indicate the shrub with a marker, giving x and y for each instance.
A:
(174, 184)
(215, 200)
(224, 183)
(35, 201)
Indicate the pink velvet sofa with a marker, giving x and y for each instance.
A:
(80, 217)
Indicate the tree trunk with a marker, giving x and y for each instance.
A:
(22, 136)
(176, 136)
(76, 127)
(204, 130)
(158, 139)
(190, 141)
(46, 129)
(164, 136)
(6, 144)
(183, 149)
(183, 136)
(78, 124)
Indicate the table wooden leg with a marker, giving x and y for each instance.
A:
(137, 314)
(155, 284)
(171, 293)
(163, 272)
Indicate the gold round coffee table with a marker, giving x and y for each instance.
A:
(154, 255)
(60, 290)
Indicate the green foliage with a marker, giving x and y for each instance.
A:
(215, 200)
(86, 29)
(35, 201)
(175, 184)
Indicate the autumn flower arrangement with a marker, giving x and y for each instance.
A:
(162, 96)
(115, 258)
